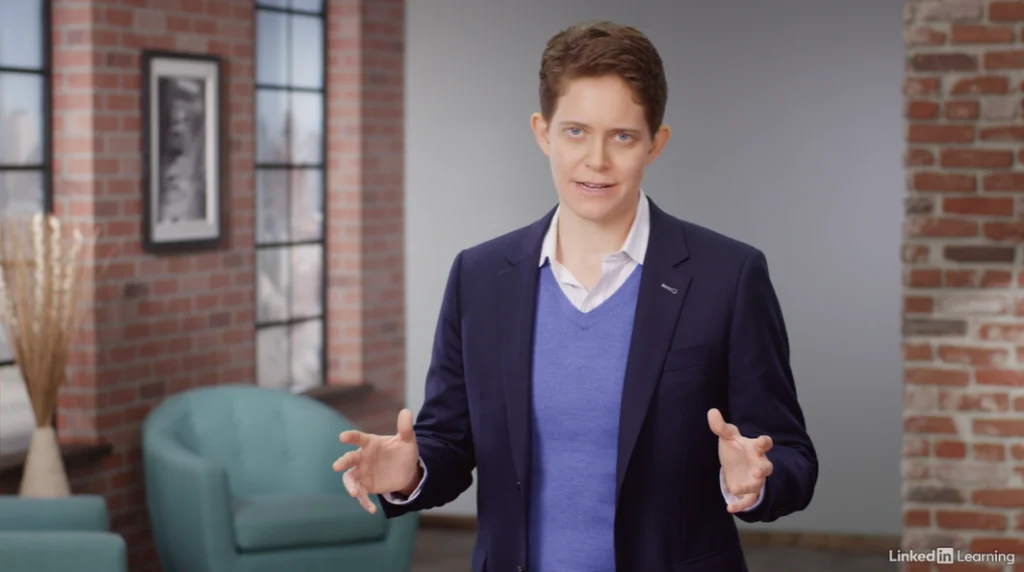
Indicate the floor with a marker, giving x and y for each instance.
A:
(449, 551)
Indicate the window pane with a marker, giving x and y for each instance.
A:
(272, 357)
(21, 119)
(307, 135)
(307, 280)
(307, 49)
(271, 205)
(308, 5)
(16, 416)
(21, 33)
(271, 126)
(273, 284)
(307, 355)
(21, 193)
(271, 39)
(307, 207)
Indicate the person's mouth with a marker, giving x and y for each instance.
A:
(593, 187)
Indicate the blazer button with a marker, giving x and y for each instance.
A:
(519, 486)
(520, 569)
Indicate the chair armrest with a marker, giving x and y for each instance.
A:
(58, 551)
(189, 506)
(79, 512)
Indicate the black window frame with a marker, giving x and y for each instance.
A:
(289, 167)
(45, 167)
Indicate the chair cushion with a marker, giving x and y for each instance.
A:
(276, 521)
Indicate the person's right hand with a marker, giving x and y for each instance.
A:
(380, 464)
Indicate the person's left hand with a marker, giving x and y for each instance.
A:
(745, 463)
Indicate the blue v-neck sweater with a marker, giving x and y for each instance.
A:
(578, 369)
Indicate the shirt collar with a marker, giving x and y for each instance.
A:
(635, 245)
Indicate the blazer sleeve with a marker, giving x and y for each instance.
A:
(443, 431)
(762, 394)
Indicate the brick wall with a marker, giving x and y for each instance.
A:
(366, 277)
(963, 320)
(160, 324)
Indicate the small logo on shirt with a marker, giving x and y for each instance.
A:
(669, 288)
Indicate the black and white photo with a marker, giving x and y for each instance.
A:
(181, 194)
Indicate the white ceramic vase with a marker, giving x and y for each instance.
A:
(44, 474)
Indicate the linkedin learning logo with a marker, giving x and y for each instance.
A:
(949, 555)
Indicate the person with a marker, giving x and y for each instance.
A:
(586, 364)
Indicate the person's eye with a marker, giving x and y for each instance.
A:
(574, 131)
(625, 137)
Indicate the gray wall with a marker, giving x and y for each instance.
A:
(787, 134)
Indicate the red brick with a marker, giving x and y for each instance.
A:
(970, 520)
(929, 424)
(1004, 60)
(1010, 181)
(925, 133)
(986, 206)
(944, 182)
(922, 86)
(962, 110)
(941, 227)
(960, 158)
(918, 157)
(1006, 11)
(950, 449)
(936, 376)
(975, 34)
(922, 109)
(972, 355)
(981, 85)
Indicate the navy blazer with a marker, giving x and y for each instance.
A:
(708, 333)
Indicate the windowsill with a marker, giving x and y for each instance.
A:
(335, 395)
(74, 454)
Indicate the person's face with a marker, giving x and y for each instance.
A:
(599, 144)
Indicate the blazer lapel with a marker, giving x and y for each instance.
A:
(664, 282)
(517, 292)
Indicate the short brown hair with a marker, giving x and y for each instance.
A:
(601, 48)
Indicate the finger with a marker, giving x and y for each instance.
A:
(357, 491)
(763, 444)
(348, 460)
(364, 501)
(718, 425)
(350, 482)
(742, 504)
(353, 437)
(763, 470)
(405, 426)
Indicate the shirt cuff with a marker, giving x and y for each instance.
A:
(731, 498)
(397, 499)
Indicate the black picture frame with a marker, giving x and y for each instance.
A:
(182, 158)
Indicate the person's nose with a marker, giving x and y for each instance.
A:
(597, 157)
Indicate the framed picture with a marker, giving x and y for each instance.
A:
(181, 150)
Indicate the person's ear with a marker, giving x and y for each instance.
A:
(658, 143)
(540, 131)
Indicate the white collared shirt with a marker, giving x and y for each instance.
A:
(615, 268)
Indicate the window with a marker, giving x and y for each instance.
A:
(24, 169)
(290, 191)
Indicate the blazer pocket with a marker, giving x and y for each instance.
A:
(687, 358)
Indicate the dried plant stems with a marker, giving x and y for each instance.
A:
(40, 289)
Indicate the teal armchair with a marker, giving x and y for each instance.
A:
(59, 534)
(239, 478)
